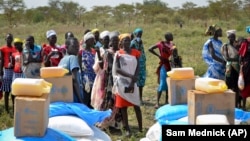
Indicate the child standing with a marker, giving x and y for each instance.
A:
(165, 50)
(70, 62)
(6, 69)
(16, 61)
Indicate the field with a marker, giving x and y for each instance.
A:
(189, 40)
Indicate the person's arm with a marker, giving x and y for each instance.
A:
(76, 85)
(79, 57)
(1, 63)
(12, 61)
(212, 52)
(46, 58)
(152, 50)
(135, 76)
(120, 71)
(100, 60)
(224, 52)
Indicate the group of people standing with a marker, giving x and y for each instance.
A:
(226, 61)
(108, 69)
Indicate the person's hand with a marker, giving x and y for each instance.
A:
(52, 53)
(133, 78)
(10, 65)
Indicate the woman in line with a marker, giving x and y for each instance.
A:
(165, 50)
(231, 55)
(6, 69)
(211, 54)
(244, 53)
(16, 62)
(98, 90)
(125, 74)
(109, 97)
(137, 43)
(86, 58)
(66, 36)
(32, 58)
(51, 53)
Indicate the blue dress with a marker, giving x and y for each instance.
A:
(142, 63)
(215, 69)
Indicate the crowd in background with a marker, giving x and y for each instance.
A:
(108, 68)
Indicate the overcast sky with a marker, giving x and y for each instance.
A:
(90, 3)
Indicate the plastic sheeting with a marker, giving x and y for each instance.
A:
(169, 114)
(90, 116)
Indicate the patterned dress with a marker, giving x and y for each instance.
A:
(98, 90)
(7, 72)
(142, 62)
(215, 69)
(87, 73)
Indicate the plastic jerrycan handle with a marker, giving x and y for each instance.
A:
(221, 86)
(65, 70)
(46, 87)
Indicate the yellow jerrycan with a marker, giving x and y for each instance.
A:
(30, 87)
(210, 85)
(48, 72)
(181, 73)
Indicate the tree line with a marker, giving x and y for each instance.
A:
(15, 12)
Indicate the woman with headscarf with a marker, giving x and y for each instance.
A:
(165, 51)
(96, 33)
(211, 54)
(125, 74)
(86, 60)
(230, 54)
(244, 53)
(99, 83)
(51, 52)
(137, 43)
(108, 97)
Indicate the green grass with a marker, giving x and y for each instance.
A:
(189, 41)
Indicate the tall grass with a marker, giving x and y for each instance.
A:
(189, 40)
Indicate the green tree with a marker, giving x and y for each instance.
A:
(10, 8)
(245, 7)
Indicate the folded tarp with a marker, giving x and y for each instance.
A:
(90, 116)
(169, 114)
